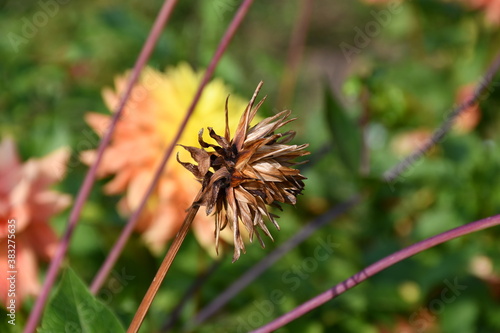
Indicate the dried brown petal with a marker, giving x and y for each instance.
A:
(241, 176)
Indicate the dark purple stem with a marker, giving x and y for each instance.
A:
(84, 191)
(377, 267)
(252, 273)
(438, 135)
(127, 231)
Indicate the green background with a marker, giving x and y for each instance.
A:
(404, 78)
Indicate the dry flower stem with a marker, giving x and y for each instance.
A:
(376, 268)
(395, 172)
(162, 271)
(245, 174)
(127, 231)
(148, 298)
(84, 191)
(256, 270)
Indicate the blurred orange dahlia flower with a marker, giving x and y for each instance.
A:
(26, 206)
(491, 9)
(408, 142)
(470, 117)
(151, 118)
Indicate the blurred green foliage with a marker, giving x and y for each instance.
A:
(405, 78)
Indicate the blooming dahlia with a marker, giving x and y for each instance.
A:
(243, 174)
(26, 206)
(150, 121)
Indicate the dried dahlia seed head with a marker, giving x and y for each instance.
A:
(241, 176)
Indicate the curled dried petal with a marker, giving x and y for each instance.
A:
(250, 172)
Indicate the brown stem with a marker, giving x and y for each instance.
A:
(271, 258)
(162, 271)
(127, 231)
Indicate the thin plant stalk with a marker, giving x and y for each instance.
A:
(88, 182)
(256, 270)
(131, 223)
(162, 271)
(148, 298)
(260, 267)
(391, 175)
(376, 268)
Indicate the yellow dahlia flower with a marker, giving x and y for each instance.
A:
(149, 123)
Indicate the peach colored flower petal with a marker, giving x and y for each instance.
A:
(42, 239)
(88, 157)
(110, 98)
(470, 117)
(493, 12)
(137, 188)
(490, 7)
(9, 166)
(4, 211)
(167, 186)
(478, 3)
(52, 168)
(19, 200)
(48, 170)
(145, 219)
(408, 142)
(48, 203)
(108, 164)
(203, 228)
(99, 122)
(31, 203)
(119, 182)
(22, 214)
(163, 227)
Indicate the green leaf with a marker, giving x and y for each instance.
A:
(74, 309)
(11, 322)
(345, 132)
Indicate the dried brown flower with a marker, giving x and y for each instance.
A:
(244, 174)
